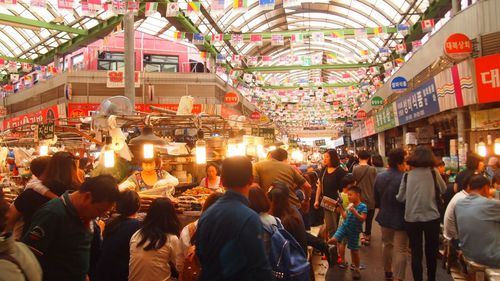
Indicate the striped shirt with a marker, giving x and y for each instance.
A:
(352, 222)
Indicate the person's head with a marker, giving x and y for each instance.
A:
(354, 194)
(236, 172)
(347, 182)
(212, 170)
(474, 162)
(331, 158)
(258, 200)
(422, 157)
(4, 207)
(84, 161)
(211, 199)
(38, 165)
(160, 220)
(441, 166)
(493, 162)
(61, 173)
(128, 203)
(377, 160)
(364, 155)
(279, 154)
(479, 184)
(97, 195)
(396, 159)
(279, 196)
(150, 165)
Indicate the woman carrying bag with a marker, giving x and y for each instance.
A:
(421, 189)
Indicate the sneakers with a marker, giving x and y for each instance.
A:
(343, 265)
(361, 266)
(356, 275)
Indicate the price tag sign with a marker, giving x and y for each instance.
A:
(46, 131)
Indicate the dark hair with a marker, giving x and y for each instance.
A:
(4, 207)
(212, 165)
(258, 200)
(128, 204)
(61, 173)
(84, 161)
(38, 165)
(473, 161)
(211, 199)
(312, 178)
(279, 154)
(102, 188)
(355, 189)
(347, 180)
(422, 157)
(364, 155)
(396, 157)
(236, 172)
(280, 205)
(377, 160)
(161, 219)
(334, 157)
(478, 182)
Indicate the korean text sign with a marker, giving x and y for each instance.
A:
(488, 78)
(420, 103)
(384, 119)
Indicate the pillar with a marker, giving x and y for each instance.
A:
(455, 7)
(461, 125)
(381, 143)
(129, 38)
(405, 130)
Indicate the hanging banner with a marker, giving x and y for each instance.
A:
(458, 46)
(384, 119)
(399, 84)
(488, 78)
(116, 79)
(267, 133)
(369, 126)
(420, 103)
(39, 116)
(231, 99)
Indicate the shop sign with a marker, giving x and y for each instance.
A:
(356, 133)
(384, 119)
(46, 131)
(485, 119)
(264, 119)
(458, 46)
(267, 133)
(77, 110)
(420, 103)
(231, 98)
(39, 116)
(369, 126)
(361, 114)
(488, 78)
(320, 142)
(399, 84)
(255, 115)
(377, 101)
(116, 79)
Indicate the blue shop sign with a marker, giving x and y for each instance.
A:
(420, 103)
(399, 84)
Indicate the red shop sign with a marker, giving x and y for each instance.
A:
(77, 110)
(231, 98)
(488, 78)
(361, 114)
(42, 115)
(458, 46)
(255, 115)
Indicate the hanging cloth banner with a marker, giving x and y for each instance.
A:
(151, 8)
(8, 2)
(360, 33)
(179, 35)
(193, 8)
(427, 25)
(65, 4)
(267, 5)
(252, 60)
(403, 29)
(297, 39)
(38, 3)
(133, 7)
(401, 48)
(338, 35)
(237, 39)
(290, 3)
(240, 5)
(256, 39)
(172, 10)
(217, 6)
(318, 37)
(217, 38)
(220, 58)
(198, 39)
(119, 7)
(415, 45)
(331, 58)
(277, 40)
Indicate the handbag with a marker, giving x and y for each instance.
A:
(327, 203)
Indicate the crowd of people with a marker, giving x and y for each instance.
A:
(67, 227)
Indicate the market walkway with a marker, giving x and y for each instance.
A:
(371, 256)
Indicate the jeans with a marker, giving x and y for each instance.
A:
(330, 222)
(416, 232)
(395, 243)
(368, 222)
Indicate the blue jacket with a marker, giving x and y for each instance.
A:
(391, 213)
(229, 242)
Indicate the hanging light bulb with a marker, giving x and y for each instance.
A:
(481, 148)
(497, 146)
(201, 152)
(109, 153)
(44, 150)
(148, 150)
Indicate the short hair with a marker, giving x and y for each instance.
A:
(38, 165)
(334, 157)
(355, 189)
(478, 182)
(236, 172)
(258, 200)
(347, 180)
(422, 157)
(62, 173)
(364, 155)
(396, 157)
(103, 188)
(279, 154)
(212, 165)
(377, 160)
(211, 199)
(473, 161)
(128, 203)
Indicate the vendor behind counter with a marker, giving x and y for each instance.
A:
(151, 176)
